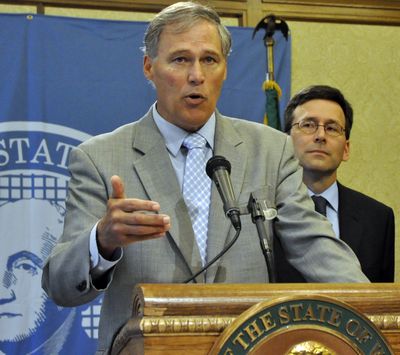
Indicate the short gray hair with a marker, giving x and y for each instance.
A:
(185, 14)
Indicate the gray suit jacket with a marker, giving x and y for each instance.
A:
(367, 226)
(262, 160)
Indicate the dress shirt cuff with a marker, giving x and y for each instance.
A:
(98, 265)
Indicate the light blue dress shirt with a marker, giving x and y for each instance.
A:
(174, 136)
(331, 194)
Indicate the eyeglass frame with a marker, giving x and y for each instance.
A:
(341, 132)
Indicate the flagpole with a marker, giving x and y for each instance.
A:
(270, 58)
(271, 88)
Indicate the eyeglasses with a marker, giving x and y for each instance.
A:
(332, 129)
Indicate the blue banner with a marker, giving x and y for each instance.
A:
(64, 80)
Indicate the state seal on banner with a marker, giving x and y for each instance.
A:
(33, 187)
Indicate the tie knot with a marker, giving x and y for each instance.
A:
(194, 140)
(320, 204)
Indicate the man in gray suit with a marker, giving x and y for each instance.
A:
(116, 235)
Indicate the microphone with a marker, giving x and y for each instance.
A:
(219, 169)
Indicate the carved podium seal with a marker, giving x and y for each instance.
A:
(316, 325)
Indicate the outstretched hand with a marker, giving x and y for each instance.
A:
(128, 220)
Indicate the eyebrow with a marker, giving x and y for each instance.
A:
(329, 120)
(188, 51)
(23, 254)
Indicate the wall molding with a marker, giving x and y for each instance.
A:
(249, 12)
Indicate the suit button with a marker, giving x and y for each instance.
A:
(81, 286)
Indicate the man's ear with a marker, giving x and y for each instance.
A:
(148, 67)
(226, 72)
(346, 151)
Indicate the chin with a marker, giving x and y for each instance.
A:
(195, 125)
(8, 330)
(315, 169)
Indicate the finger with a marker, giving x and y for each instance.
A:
(141, 232)
(134, 205)
(133, 239)
(126, 227)
(118, 189)
(146, 220)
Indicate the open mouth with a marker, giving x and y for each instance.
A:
(194, 99)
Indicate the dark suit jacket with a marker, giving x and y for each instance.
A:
(367, 226)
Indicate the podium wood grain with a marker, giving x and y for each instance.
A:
(188, 319)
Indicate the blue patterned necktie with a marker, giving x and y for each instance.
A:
(197, 189)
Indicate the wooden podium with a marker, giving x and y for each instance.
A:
(189, 319)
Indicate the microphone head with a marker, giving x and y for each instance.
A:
(217, 162)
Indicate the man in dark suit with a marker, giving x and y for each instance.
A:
(115, 233)
(319, 120)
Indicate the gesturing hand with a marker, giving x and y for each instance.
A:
(128, 220)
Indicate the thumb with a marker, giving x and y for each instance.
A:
(118, 189)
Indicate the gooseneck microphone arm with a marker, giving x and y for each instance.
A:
(223, 251)
(219, 169)
(258, 218)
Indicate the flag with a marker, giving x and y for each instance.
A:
(272, 94)
(272, 25)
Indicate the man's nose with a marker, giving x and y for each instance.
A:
(196, 73)
(320, 133)
(7, 295)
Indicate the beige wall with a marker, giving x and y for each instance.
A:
(364, 62)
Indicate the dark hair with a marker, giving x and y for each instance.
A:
(319, 92)
(185, 14)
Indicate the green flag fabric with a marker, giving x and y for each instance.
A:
(272, 94)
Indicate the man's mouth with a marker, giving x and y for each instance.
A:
(194, 99)
(318, 151)
(9, 315)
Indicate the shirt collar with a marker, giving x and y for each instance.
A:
(331, 194)
(174, 135)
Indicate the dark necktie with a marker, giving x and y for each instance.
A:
(320, 204)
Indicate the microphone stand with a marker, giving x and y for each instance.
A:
(258, 218)
(218, 169)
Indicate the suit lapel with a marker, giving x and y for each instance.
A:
(158, 178)
(229, 145)
(351, 230)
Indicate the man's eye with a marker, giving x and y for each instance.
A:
(332, 128)
(309, 124)
(27, 266)
(179, 59)
(210, 60)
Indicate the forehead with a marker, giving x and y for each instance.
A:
(30, 225)
(202, 35)
(322, 110)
